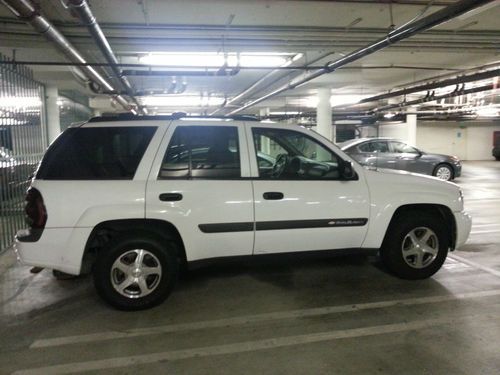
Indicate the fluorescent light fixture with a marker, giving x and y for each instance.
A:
(389, 115)
(181, 101)
(216, 60)
(278, 113)
(335, 100)
(20, 102)
(487, 112)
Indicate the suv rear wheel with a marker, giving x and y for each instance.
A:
(416, 245)
(136, 272)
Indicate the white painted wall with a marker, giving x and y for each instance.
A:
(403, 131)
(467, 140)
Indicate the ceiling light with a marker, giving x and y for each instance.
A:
(389, 115)
(281, 113)
(487, 112)
(335, 100)
(20, 102)
(181, 101)
(217, 60)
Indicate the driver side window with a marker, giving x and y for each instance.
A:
(289, 155)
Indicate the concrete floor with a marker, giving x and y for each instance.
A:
(342, 315)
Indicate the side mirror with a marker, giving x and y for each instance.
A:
(347, 171)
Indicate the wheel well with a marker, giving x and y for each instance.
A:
(434, 209)
(108, 230)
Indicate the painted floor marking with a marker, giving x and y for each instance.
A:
(485, 231)
(111, 335)
(475, 265)
(248, 346)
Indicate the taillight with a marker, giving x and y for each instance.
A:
(36, 213)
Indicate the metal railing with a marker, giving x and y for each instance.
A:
(23, 139)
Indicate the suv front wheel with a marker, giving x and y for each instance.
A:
(415, 246)
(136, 272)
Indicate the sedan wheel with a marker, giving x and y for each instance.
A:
(443, 172)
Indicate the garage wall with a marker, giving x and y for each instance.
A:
(467, 140)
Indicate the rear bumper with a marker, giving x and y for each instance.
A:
(464, 223)
(60, 249)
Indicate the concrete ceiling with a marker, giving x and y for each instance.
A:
(321, 31)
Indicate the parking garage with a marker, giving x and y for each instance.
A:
(412, 84)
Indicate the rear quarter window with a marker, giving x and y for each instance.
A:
(111, 153)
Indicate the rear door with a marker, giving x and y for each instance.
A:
(199, 183)
(376, 154)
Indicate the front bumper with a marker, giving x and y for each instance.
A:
(464, 223)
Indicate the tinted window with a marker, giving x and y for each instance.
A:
(202, 152)
(403, 148)
(96, 153)
(293, 155)
(375, 146)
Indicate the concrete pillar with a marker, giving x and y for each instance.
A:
(324, 114)
(411, 125)
(53, 122)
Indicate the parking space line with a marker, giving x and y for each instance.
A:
(485, 231)
(226, 322)
(475, 265)
(248, 346)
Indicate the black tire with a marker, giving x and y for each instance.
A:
(445, 166)
(159, 253)
(401, 262)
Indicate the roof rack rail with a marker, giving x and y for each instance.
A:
(173, 116)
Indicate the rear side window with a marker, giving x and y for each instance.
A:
(96, 153)
(202, 152)
(376, 146)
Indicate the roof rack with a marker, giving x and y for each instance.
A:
(173, 116)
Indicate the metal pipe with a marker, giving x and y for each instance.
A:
(434, 85)
(249, 90)
(432, 20)
(83, 11)
(26, 11)
(174, 73)
(431, 98)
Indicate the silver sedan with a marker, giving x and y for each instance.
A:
(394, 154)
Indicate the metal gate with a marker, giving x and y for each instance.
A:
(23, 140)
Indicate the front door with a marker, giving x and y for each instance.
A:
(301, 202)
(197, 183)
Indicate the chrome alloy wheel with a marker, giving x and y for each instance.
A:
(136, 273)
(443, 173)
(420, 247)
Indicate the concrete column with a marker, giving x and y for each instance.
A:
(411, 125)
(324, 114)
(53, 122)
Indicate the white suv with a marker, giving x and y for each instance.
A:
(135, 199)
